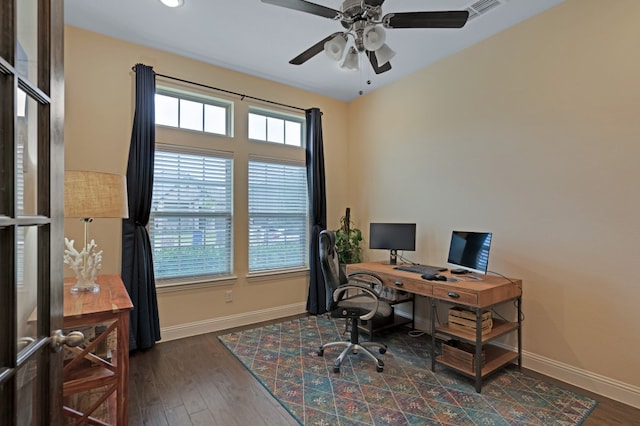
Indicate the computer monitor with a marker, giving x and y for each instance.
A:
(392, 236)
(470, 250)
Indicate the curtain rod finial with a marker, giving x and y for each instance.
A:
(133, 68)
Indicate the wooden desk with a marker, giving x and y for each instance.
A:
(476, 296)
(87, 371)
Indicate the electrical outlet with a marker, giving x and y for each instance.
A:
(228, 296)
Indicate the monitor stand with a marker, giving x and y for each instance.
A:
(393, 257)
(459, 271)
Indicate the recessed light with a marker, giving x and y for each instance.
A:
(172, 3)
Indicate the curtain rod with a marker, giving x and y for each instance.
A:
(241, 95)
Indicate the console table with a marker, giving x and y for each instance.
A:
(107, 376)
(477, 296)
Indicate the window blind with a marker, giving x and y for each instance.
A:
(278, 216)
(191, 215)
(20, 194)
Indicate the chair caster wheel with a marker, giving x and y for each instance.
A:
(320, 352)
(336, 370)
(379, 368)
(382, 350)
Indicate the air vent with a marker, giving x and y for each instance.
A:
(483, 6)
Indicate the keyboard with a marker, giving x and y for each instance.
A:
(421, 269)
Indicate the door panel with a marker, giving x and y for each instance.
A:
(31, 198)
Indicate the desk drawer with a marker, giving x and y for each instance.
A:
(455, 295)
(410, 284)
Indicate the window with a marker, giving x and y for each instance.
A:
(191, 214)
(191, 112)
(270, 126)
(191, 222)
(278, 216)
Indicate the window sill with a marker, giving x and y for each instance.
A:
(270, 275)
(169, 286)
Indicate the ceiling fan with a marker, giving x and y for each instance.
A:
(363, 21)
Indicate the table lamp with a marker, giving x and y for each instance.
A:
(89, 195)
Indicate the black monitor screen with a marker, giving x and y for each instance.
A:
(392, 236)
(470, 250)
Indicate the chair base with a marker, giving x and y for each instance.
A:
(364, 347)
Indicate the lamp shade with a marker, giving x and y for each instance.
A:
(95, 194)
(334, 48)
(350, 60)
(373, 37)
(384, 54)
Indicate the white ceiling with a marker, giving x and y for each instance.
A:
(259, 39)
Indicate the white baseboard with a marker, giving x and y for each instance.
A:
(596, 383)
(216, 324)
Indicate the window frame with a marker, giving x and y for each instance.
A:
(204, 100)
(242, 150)
(269, 113)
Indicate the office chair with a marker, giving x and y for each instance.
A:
(353, 297)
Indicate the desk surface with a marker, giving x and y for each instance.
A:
(490, 291)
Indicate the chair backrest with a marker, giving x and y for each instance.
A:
(333, 275)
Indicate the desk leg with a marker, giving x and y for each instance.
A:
(413, 312)
(518, 304)
(433, 333)
(123, 368)
(478, 359)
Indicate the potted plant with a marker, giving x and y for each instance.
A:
(348, 240)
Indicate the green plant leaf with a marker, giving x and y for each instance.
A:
(348, 241)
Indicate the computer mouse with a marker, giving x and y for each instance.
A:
(434, 277)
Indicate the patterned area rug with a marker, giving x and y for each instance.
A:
(283, 358)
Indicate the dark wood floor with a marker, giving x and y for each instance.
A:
(197, 381)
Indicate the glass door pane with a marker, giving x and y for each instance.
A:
(28, 395)
(27, 285)
(26, 156)
(27, 43)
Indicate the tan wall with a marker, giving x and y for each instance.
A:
(531, 134)
(99, 113)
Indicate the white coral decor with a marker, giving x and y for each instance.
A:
(85, 264)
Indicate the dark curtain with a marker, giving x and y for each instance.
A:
(137, 261)
(318, 205)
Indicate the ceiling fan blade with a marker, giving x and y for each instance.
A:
(444, 19)
(374, 63)
(305, 6)
(312, 51)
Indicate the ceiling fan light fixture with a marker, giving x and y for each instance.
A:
(172, 3)
(373, 37)
(351, 60)
(384, 54)
(334, 48)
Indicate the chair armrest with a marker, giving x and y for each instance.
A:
(366, 289)
(376, 283)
